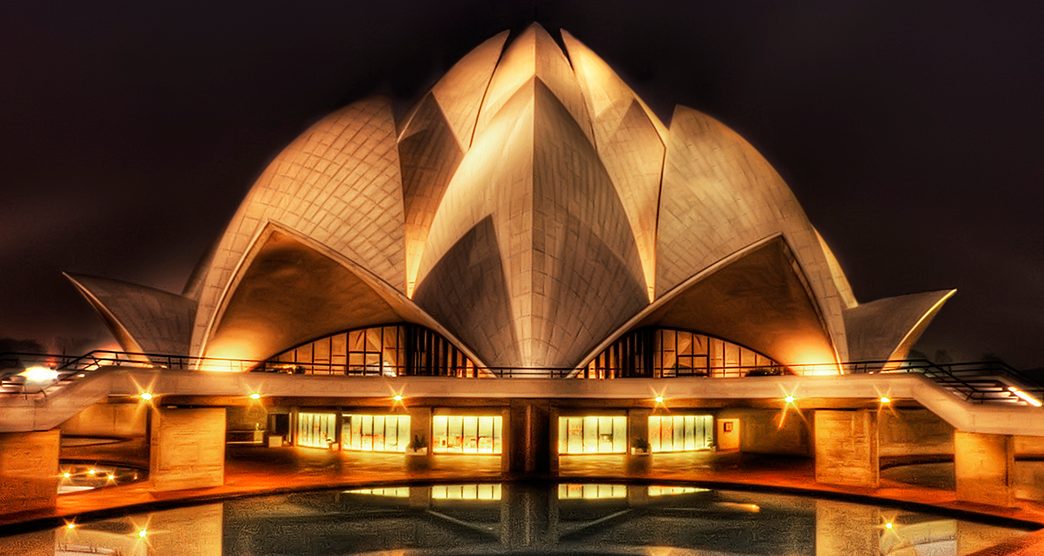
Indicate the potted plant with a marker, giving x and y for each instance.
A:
(640, 447)
(418, 446)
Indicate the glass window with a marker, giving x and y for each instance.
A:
(316, 430)
(592, 435)
(376, 433)
(680, 433)
(467, 434)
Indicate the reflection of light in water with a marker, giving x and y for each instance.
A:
(466, 492)
(752, 508)
(394, 492)
(672, 490)
(590, 491)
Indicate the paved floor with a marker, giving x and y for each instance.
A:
(252, 470)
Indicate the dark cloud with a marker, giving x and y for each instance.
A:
(909, 130)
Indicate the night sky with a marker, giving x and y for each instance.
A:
(910, 131)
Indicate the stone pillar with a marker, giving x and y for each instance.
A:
(637, 425)
(984, 465)
(527, 431)
(846, 448)
(420, 426)
(187, 448)
(28, 470)
(552, 439)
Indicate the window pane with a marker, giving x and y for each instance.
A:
(439, 425)
(620, 434)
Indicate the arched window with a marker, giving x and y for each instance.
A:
(669, 352)
(389, 350)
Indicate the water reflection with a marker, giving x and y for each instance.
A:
(485, 518)
(78, 477)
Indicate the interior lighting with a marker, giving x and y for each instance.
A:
(1025, 397)
(40, 375)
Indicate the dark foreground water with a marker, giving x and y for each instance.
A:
(520, 518)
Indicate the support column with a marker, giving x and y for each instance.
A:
(984, 465)
(637, 425)
(528, 436)
(187, 448)
(28, 470)
(420, 427)
(846, 448)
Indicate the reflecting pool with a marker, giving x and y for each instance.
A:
(568, 518)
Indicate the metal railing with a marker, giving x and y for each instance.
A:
(976, 382)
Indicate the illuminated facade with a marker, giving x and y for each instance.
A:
(530, 216)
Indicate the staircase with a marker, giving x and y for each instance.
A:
(993, 382)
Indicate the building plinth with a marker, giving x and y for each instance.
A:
(846, 448)
(984, 465)
(28, 470)
(187, 448)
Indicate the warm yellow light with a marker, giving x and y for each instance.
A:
(142, 533)
(888, 525)
(40, 374)
(659, 399)
(789, 399)
(66, 475)
(397, 397)
(255, 396)
(886, 399)
(110, 477)
(91, 472)
(145, 396)
(1025, 397)
(70, 525)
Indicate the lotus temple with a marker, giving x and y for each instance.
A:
(527, 274)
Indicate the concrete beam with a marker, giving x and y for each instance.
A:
(187, 448)
(846, 448)
(984, 465)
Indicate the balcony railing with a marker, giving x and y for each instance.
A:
(976, 382)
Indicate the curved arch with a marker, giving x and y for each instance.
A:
(763, 285)
(291, 288)
(338, 182)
